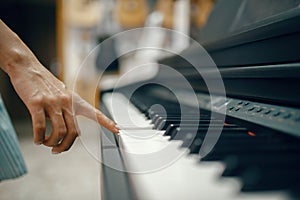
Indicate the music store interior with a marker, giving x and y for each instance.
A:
(205, 93)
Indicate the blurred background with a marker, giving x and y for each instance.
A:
(62, 33)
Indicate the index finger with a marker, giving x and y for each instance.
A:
(84, 108)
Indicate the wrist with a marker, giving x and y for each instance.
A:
(14, 54)
(17, 60)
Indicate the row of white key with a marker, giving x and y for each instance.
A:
(160, 170)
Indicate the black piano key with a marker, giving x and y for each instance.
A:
(172, 128)
(159, 119)
(216, 125)
(191, 113)
(180, 132)
(163, 125)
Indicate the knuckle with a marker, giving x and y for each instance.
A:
(37, 100)
(65, 99)
(51, 100)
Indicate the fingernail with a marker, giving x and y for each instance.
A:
(116, 130)
(38, 143)
(55, 152)
(117, 126)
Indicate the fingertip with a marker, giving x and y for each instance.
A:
(55, 152)
(113, 127)
(115, 130)
(38, 142)
(103, 120)
(118, 126)
(38, 137)
(46, 142)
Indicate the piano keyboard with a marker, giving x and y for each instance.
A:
(163, 161)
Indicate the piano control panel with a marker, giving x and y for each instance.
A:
(272, 116)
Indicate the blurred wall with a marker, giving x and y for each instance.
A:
(34, 22)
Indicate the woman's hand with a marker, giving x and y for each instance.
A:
(46, 96)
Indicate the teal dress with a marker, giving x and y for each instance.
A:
(11, 161)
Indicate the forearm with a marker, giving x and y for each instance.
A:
(14, 54)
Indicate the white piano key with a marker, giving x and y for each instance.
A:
(124, 113)
(135, 127)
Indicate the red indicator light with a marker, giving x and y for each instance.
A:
(251, 134)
